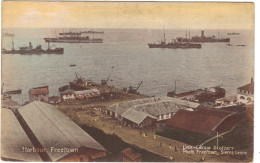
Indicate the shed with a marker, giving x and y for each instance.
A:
(39, 93)
(129, 155)
(67, 95)
(138, 118)
(156, 106)
(14, 140)
(61, 137)
(85, 94)
(159, 107)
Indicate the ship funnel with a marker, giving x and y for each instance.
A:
(202, 34)
(30, 45)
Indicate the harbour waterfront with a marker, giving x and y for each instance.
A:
(124, 53)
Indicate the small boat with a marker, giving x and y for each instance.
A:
(241, 45)
(18, 91)
(72, 65)
(233, 33)
(229, 45)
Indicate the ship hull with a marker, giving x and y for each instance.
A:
(203, 40)
(210, 40)
(176, 46)
(14, 92)
(73, 40)
(35, 51)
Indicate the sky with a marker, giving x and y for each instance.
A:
(145, 15)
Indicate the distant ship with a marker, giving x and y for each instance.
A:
(30, 50)
(91, 31)
(8, 35)
(203, 39)
(74, 37)
(174, 44)
(233, 33)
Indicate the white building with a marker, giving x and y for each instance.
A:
(245, 94)
(86, 94)
(67, 95)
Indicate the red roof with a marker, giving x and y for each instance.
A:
(201, 121)
(249, 87)
(130, 153)
(39, 90)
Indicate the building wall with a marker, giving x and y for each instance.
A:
(68, 97)
(165, 116)
(250, 113)
(54, 101)
(245, 98)
(41, 97)
(87, 95)
(146, 123)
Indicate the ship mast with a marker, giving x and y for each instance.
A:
(48, 45)
(175, 87)
(189, 33)
(164, 35)
(12, 43)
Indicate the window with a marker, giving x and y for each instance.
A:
(242, 97)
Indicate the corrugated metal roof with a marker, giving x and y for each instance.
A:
(86, 91)
(186, 103)
(13, 139)
(153, 106)
(136, 116)
(53, 129)
(121, 107)
(159, 108)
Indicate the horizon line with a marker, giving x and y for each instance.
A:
(133, 28)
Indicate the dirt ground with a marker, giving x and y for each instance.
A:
(145, 139)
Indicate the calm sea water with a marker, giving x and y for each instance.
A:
(127, 51)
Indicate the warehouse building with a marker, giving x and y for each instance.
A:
(67, 95)
(59, 137)
(87, 94)
(204, 121)
(39, 93)
(146, 112)
(129, 155)
(14, 140)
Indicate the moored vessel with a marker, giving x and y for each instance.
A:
(203, 39)
(30, 50)
(174, 44)
(73, 37)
